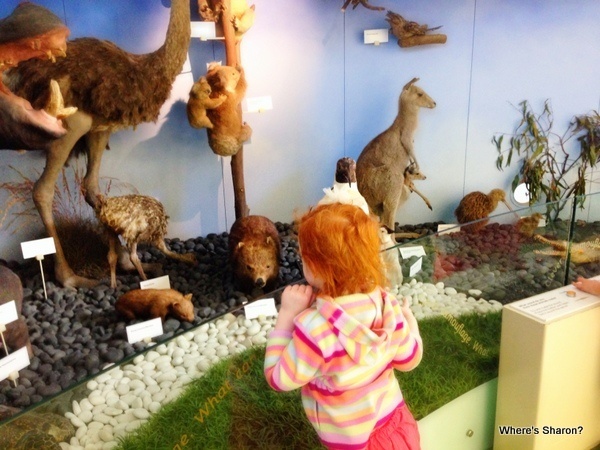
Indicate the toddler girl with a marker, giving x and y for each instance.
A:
(341, 336)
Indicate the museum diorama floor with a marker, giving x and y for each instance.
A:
(75, 334)
(232, 407)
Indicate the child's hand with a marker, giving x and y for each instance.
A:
(587, 285)
(296, 298)
(410, 317)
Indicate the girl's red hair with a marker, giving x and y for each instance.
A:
(340, 244)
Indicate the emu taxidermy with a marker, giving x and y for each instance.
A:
(112, 90)
(381, 166)
(581, 252)
(137, 219)
(344, 189)
(476, 206)
(411, 33)
(31, 31)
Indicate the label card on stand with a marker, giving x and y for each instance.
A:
(156, 283)
(13, 363)
(143, 330)
(447, 228)
(263, 307)
(8, 313)
(416, 267)
(38, 247)
(407, 252)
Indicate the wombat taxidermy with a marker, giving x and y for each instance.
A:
(153, 303)
(16, 334)
(254, 249)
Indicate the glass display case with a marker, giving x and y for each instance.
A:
(445, 273)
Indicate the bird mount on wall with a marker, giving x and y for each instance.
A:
(365, 3)
(410, 33)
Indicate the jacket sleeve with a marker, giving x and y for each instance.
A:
(292, 359)
(410, 347)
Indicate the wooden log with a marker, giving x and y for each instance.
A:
(425, 39)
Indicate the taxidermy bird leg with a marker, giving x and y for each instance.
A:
(135, 259)
(113, 245)
(43, 195)
(365, 3)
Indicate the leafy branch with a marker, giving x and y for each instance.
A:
(550, 171)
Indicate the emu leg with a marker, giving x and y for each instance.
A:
(43, 195)
(96, 143)
(113, 244)
(135, 259)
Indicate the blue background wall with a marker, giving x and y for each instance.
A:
(332, 94)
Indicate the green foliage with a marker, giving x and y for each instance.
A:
(232, 407)
(552, 174)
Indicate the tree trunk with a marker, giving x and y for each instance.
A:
(233, 59)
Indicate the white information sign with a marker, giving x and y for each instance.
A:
(8, 312)
(143, 330)
(156, 283)
(376, 36)
(13, 362)
(447, 228)
(259, 104)
(38, 247)
(556, 304)
(407, 252)
(416, 267)
(263, 307)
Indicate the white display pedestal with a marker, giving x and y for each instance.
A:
(549, 374)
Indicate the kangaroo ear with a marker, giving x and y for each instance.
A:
(410, 83)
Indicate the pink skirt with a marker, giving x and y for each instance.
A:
(400, 432)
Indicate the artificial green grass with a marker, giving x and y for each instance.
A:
(232, 407)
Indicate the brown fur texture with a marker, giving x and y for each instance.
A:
(199, 102)
(153, 303)
(16, 334)
(526, 226)
(381, 166)
(477, 205)
(112, 89)
(242, 15)
(254, 249)
(228, 132)
(137, 219)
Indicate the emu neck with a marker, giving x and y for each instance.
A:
(169, 58)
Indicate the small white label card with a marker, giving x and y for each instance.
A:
(156, 283)
(445, 228)
(263, 307)
(143, 330)
(259, 104)
(416, 250)
(13, 362)
(376, 36)
(8, 312)
(203, 30)
(416, 267)
(38, 247)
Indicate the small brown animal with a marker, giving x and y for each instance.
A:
(199, 102)
(228, 133)
(254, 248)
(16, 334)
(153, 303)
(477, 205)
(526, 226)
